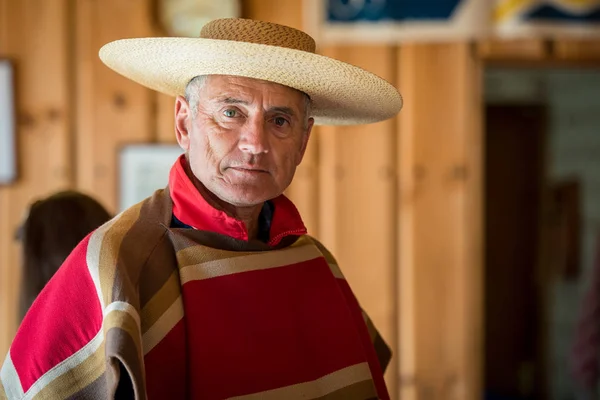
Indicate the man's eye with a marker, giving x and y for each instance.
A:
(280, 121)
(230, 113)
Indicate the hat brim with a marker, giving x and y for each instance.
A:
(341, 94)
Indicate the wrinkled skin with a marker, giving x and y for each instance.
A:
(244, 141)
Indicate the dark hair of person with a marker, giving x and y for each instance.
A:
(52, 229)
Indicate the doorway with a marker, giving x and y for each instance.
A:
(514, 178)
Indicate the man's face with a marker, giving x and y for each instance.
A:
(246, 139)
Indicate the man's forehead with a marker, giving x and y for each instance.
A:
(225, 86)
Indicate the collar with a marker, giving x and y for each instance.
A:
(190, 207)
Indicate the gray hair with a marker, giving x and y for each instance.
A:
(192, 92)
(195, 85)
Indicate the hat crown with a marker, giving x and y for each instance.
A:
(251, 31)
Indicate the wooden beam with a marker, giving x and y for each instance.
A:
(529, 49)
(439, 225)
(357, 199)
(577, 50)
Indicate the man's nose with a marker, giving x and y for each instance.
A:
(254, 137)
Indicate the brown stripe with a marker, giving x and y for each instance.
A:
(2, 391)
(122, 320)
(121, 346)
(156, 306)
(370, 327)
(109, 250)
(383, 352)
(319, 388)
(75, 379)
(95, 390)
(160, 207)
(158, 271)
(144, 246)
(358, 391)
(336, 271)
(151, 234)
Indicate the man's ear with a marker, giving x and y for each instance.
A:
(183, 117)
(305, 137)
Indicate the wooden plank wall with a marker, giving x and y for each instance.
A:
(34, 35)
(440, 228)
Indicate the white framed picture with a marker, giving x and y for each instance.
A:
(143, 169)
(8, 157)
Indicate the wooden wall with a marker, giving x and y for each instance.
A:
(399, 202)
(35, 35)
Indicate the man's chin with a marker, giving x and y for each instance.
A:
(246, 199)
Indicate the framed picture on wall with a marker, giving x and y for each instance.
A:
(8, 156)
(143, 169)
(395, 21)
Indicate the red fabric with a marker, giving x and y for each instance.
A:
(366, 340)
(585, 354)
(166, 366)
(192, 209)
(270, 328)
(68, 300)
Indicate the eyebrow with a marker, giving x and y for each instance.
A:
(283, 110)
(231, 100)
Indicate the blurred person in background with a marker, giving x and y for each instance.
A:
(52, 229)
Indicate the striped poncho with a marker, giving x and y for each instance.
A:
(144, 310)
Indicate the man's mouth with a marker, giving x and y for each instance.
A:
(250, 170)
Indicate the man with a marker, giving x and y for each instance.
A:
(211, 288)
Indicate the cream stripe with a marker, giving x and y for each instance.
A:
(336, 271)
(249, 262)
(93, 256)
(10, 379)
(317, 388)
(65, 366)
(163, 325)
(123, 306)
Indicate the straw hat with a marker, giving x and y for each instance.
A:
(341, 94)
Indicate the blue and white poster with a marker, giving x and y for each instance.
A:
(547, 18)
(344, 21)
(397, 21)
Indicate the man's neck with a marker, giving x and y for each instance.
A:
(248, 215)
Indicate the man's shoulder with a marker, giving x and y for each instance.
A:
(328, 255)
(131, 226)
